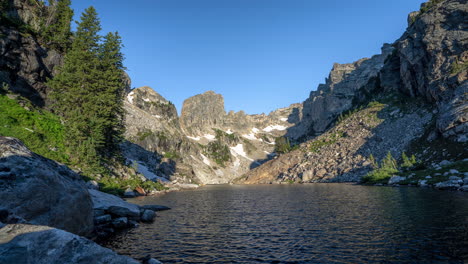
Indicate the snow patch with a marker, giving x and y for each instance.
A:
(147, 173)
(255, 130)
(250, 136)
(157, 116)
(284, 119)
(274, 127)
(194, 138)
(229, 132)
(239, 150)
(210, 137)
(206, 160)
(130, 97)
(146, 100)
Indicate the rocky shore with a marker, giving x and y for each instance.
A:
(446, 175)
(48, 214)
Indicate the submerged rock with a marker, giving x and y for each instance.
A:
(148, 216)
(155, 207)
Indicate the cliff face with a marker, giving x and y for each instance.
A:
(205, 145)
(432, 58)
(25, 65)
(421, 81)
(346, 84)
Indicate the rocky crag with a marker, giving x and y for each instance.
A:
(25, 64)
(205, 144)
(420, 83)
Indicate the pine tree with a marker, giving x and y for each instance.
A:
(389, 162)
(57, 32)
(89, 91)
(75, 89)
(406, 161)
(113, 91)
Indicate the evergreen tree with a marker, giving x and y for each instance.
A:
(75, 89)
(113, 91)
(57, 33)
(389, 162)
(282, 145)
(89, 91)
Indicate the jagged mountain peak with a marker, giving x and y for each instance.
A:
(147, 94)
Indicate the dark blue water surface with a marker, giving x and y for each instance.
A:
(316, 223)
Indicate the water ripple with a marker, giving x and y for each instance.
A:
(322, 223)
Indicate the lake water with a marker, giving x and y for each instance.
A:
(316, 223)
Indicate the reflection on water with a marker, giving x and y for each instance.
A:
(317, 223)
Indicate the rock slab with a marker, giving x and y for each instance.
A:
(30, 244)
(42, 191)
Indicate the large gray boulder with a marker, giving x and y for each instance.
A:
(114, 205)
(28, 244)
(42, 191)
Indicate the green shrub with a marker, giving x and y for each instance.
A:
(430, 4)
(229, 138)
(458, 67)
(171, 155)
(218, 151)
(382, 174)
(408, 162)
(282, 145)
(117, 186)
(316, 145)
(142, 135)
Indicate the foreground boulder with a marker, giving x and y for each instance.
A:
(114, 205)
(41, 191)
(20, 243)
(112, 212)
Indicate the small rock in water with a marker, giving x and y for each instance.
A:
(428, 177)
(422, 183)
(155, 207)
(149, 260)
(129, 193)
(133, 223)
(396, 179)
(102, 219)
(119, 223)
(445, 163)
(148, 216)
(453, 171)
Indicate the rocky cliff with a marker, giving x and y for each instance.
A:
(206, 144)
(346, 84)
(25, 64)
(425, 72)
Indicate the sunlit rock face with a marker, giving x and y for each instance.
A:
(206, 144)
(425, 70)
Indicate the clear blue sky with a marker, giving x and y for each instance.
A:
(259, 54)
